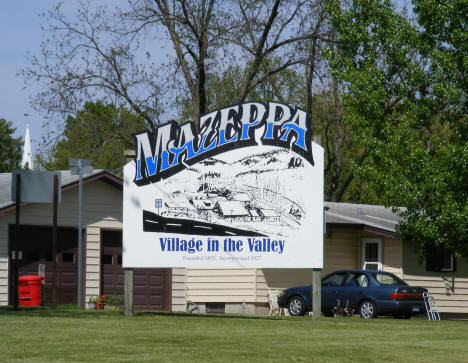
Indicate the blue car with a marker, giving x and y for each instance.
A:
(367, 292)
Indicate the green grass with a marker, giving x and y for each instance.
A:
(70, 334)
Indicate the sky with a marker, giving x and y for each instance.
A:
(20, 29)
(20, 33)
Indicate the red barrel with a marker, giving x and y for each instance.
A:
(30, 290)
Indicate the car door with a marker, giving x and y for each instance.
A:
(330, 285)
(353, 289)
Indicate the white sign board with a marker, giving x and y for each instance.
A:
(245, 192)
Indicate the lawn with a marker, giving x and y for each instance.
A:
(70, 334)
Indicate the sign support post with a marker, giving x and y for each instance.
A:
(316, 293)
(128, 292)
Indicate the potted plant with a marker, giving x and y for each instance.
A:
(96, 302)
(100, 302)
(92, 302)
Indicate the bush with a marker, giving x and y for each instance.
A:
(114, 301)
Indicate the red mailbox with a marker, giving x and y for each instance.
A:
(30, 290)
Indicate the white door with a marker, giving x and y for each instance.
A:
(372, 253)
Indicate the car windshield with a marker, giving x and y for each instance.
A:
(388, 279)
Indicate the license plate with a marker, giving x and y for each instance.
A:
(415, 309)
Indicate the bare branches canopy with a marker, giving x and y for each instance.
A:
(158, 56)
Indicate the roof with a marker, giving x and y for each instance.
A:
(254, 213)
(242, 197)
(68, 182)
(371, 217)
(203, 204)
(178, 203)
(232, 208)
(269, 213)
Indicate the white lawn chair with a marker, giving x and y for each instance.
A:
(273, 293)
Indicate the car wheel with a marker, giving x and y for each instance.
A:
(296, 306)
(367, 310)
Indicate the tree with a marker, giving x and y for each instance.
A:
(341, 153)
(218, 53)
(10, 147)
(105, 54)
(405, 102)
(99, 133)
(222, 89)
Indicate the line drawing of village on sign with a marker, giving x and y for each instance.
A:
(252, 192)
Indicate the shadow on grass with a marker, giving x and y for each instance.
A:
(72, 311)
(219, 316)
(64, 311)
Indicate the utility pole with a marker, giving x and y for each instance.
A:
(80, 167)
(17, 241)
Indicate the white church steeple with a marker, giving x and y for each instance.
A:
(26, 162)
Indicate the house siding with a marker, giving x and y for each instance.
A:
(450, 289)
(342, 250)
(3, 263)
(221, 285)
(179, 279)
(392, 256)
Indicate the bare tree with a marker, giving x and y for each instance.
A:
(108, 54)
(155, 56)
(84, 58)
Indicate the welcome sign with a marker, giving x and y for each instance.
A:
(245, 190)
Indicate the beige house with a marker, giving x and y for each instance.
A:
(356, 236)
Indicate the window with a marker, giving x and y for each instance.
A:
(33, 256)
(216, 308)
(356, 280)
(333, 280)
(388, 279)
(372, 253)
(363, 280)
(107, 259)
(440, 259)
(68, 257)
(20, 255)
(48, 256)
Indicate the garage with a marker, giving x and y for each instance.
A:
(35, 249)
(151, 286)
